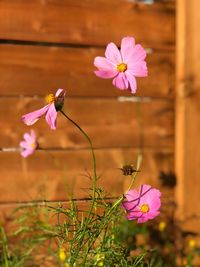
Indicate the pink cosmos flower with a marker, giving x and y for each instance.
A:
(50, 111)
(29, 144)
(123, 65)
(143, 204)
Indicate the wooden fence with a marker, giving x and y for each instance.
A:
(50, 44)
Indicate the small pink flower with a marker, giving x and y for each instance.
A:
(122, 65)
(50, 111)
(142, 205)
(29, 144)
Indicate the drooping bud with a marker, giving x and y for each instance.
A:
(59, 101)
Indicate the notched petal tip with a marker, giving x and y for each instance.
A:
(33, 117)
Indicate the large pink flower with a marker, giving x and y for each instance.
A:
(122, 65)
(55, 104)
(29, 144)
(143, 204)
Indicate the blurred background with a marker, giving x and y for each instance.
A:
(50, 44)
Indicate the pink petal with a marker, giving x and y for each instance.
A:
(146, 191)
(127, 205)
(27, 137)
(145, 188)
(132, 195)
(152, 215)
(104, 64)
(33, 135)
(120, 81)
(59, 92)
(106, 74)
(27, 153)
(127, 48)
(132, 82)
(32, 117)
(150, 195)
(112, 53)
(155, 204)
(51, 116)
(143, 219)
(139, 69)
(139, 53)
(24, 144)
(134, 215)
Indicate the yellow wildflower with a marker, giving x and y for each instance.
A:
(62, 254)
(192, 243)
(100, 263)
(100, 259)
(162, 225)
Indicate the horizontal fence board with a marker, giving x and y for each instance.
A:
(88, 22)
(32, 70)
(50, 175)
(11, 211)
(108, 122)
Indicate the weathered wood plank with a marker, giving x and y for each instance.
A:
(50, 175)
(34, 70)
(108, 122)
(188, 108)
(88, 22)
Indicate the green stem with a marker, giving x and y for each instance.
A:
(139, 160)
(90, 143)
(115, 205)
(4, 241)
(93, 182)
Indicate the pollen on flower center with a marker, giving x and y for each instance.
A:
(33, 145)
(122, 67)
(50, 98)
(144, 208)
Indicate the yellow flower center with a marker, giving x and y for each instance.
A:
(33, 145)
(144, 208)
(122, 67)
(50, 98)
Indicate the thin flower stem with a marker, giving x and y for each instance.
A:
(139, 161)
(93, 184)
(110, 211)
(114, 206)
(89, 141)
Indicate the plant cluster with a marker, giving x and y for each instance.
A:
(98, 234)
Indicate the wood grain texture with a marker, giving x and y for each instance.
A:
(108, 122)
(33, 70)
(57, 42)
(50, 175)
(88, 22)
(188, 108)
